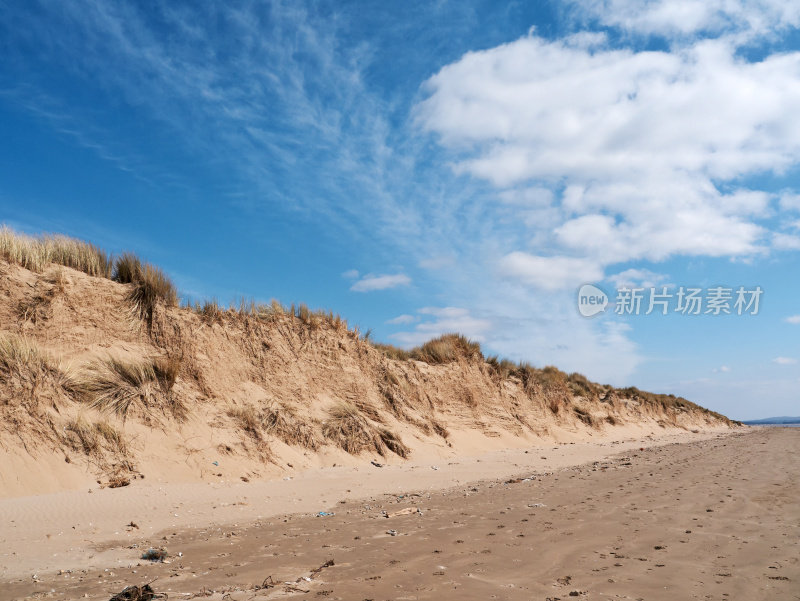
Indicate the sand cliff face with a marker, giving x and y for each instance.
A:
(91, 391)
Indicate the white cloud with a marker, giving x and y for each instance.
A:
(789, 201)
(637, 278)
(676, 18)
(724, 369)
(642, 156)
(784, 360)
(444, 320)
(793, 319)
(549, 273)
(350, 274)
(402, 319)
(785, 241)
(380, 282)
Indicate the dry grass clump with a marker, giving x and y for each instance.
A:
(249, 420)
(446, 349)
(392, 352)
(25, 369)
(92, 438)
(20, 356)
(36, 252)
(116, 385)
(580, 385)
(348, 429)
(150, 285)
(394, 443)
(210, 312)
(440, 429)
(502, 368)
(278, 420)
(584, 416)
(167, 370)
(283, 422)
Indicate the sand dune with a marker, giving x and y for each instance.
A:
(94, 392)
(265, 441)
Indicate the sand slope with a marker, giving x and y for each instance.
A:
(265, 396)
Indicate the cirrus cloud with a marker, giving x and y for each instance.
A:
(370, 283)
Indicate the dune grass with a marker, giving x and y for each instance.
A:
(116, 385)
(348, 429)
(25, 367)
(278, 420)
(21, 356)
(446, 349)
(90, 438)
(150, 285)
(37, 252)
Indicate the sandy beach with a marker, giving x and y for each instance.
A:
(693, 516)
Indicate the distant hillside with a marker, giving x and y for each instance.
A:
(103, 375)
(772, 420)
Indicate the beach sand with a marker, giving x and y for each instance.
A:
(693, 516)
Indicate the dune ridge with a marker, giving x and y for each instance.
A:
(110, 381)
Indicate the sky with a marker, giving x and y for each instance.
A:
(431, 167)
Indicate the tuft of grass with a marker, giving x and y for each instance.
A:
(37, 252)
(584, 416)
(440, 429)
(92, 438)
(150, 285)
(27, 370)
(446, 349)
(283, 422)
(152, 288)
(351, 431)
(394, 443)
(249, 420)
(21, 357)
(82, 436)
(392, 352)
(127, 269)
(115, 385)
(278, 420)
(502, 368)
(580, 385)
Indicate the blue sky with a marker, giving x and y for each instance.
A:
(439, 166)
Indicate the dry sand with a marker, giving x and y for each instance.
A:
(694, 516)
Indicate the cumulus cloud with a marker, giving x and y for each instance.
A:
(641, 140)
(549, 273)
(784, 360)
(380, 282)
(793, 319)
